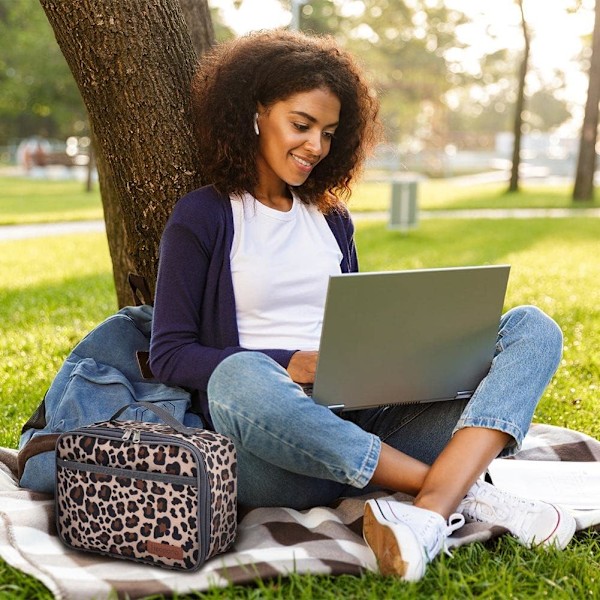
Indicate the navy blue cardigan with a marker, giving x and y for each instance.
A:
(195, 326)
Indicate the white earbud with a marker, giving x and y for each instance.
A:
(256, 130)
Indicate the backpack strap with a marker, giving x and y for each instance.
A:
(143, 360)
(142, 294)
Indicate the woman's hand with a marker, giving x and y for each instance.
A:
(303, 365)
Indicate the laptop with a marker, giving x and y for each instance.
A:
(424, 335)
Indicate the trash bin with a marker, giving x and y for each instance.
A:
(403, 209)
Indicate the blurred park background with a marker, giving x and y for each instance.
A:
(447, 72)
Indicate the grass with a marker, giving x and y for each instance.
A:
(39, 201)
(54, 290)
(25, 200)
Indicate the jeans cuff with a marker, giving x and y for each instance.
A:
(366, 470)
(515, 432)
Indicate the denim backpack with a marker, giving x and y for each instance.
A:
(104, 372)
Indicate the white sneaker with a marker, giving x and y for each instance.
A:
(405, 538)
(532, 522)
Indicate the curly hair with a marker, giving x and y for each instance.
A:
(266, 67)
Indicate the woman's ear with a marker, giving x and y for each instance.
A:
(255, 121)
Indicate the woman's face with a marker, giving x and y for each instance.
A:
(295, 135)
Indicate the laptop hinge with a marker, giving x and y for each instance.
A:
(336, 406)
(463, 395)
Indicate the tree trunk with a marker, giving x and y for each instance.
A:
(199, 24)
(116, 233)
(586, 162)
(91, 168)
(519, 108)
(133, 61)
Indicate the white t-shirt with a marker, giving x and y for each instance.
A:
(280, 264)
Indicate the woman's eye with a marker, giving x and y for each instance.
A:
(301, 126)
(329, 134)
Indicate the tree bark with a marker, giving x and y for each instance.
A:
(519, 108)
(586, 162)
(91, 168)
(199, 24)
(133, 61)
(116, 233)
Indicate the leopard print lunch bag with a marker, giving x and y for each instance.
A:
(162, 494)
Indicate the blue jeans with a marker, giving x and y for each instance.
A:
(295, 453)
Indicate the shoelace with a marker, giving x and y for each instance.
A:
(455, 521)
(506, 502)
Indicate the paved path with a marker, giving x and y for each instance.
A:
(493, 213)
(19, 232)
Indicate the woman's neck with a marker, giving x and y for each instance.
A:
(281, 200)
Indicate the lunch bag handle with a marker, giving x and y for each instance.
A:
(164, 415)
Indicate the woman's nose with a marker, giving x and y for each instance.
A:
(314, 143)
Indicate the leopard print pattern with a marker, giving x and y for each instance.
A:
(134, 517)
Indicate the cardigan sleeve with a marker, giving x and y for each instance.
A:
(342, 227)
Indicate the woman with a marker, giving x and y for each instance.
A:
(284, 122)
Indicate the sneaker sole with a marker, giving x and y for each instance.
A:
(383, 541)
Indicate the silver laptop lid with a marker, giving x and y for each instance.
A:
(408, 336)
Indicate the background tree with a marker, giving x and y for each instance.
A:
(513, 185)
(133, 61)
(199, 24)
(483, 105)
(586, 163)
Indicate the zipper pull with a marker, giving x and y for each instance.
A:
(127, 435)
(137, 436)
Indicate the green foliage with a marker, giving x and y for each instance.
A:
(222, 31)
(412, 51)
(321, 17)
(39, 94)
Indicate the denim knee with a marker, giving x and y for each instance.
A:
(243, 374)
(544, 333)
(528, 352)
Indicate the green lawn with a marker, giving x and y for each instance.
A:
(54, 290)
(449, 194)
(25, 200)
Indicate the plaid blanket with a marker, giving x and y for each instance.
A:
(270, 542)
